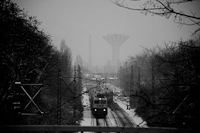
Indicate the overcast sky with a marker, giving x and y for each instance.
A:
(76, 20)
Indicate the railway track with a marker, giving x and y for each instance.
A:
(101, 122)
(123, 117)
(108, 121)
(105, 122)
(117, 121)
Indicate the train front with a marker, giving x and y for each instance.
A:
(99, 108)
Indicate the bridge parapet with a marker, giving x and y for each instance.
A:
(76, 128)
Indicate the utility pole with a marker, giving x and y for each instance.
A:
(127, 81)
(74, 104)
(131, 87)
(153, 82)
(120, 76)
(79, 79)
(123, 80)
(139, 77)
(139, 87)
(17, 102)
(59, 98)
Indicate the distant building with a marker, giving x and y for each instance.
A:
(115, 41)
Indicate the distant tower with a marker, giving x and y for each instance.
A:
(90, 53)
(115, 41)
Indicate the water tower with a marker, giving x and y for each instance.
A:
(115, 41)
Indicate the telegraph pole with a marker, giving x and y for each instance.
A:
(123, 80)
(126, 74)
(131, 78)
(131, 87)
(59, 98)
(139, 77)
(74, 104)
(79, 79)
(153, 82)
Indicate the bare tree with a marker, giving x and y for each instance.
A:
(164, 8)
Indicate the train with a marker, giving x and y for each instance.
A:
(100, 98)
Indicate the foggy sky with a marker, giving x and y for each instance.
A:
(76, 20)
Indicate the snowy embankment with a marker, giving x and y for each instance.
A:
(138, 120)
(87, 121)
(123, 102)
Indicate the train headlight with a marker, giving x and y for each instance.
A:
(95, 109)
(104, 109)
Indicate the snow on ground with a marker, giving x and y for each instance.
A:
(86, 113)
(87, 121)
(138, 120)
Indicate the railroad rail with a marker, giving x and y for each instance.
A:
(121, 115)
(82, 129)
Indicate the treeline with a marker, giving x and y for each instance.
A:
(28, 56)
(164, 84)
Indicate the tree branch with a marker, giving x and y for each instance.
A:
(164, 10)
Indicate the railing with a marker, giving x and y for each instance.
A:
(82, 129)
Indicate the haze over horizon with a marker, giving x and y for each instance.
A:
(75, 20)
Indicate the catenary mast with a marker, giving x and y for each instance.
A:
(90, 54)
